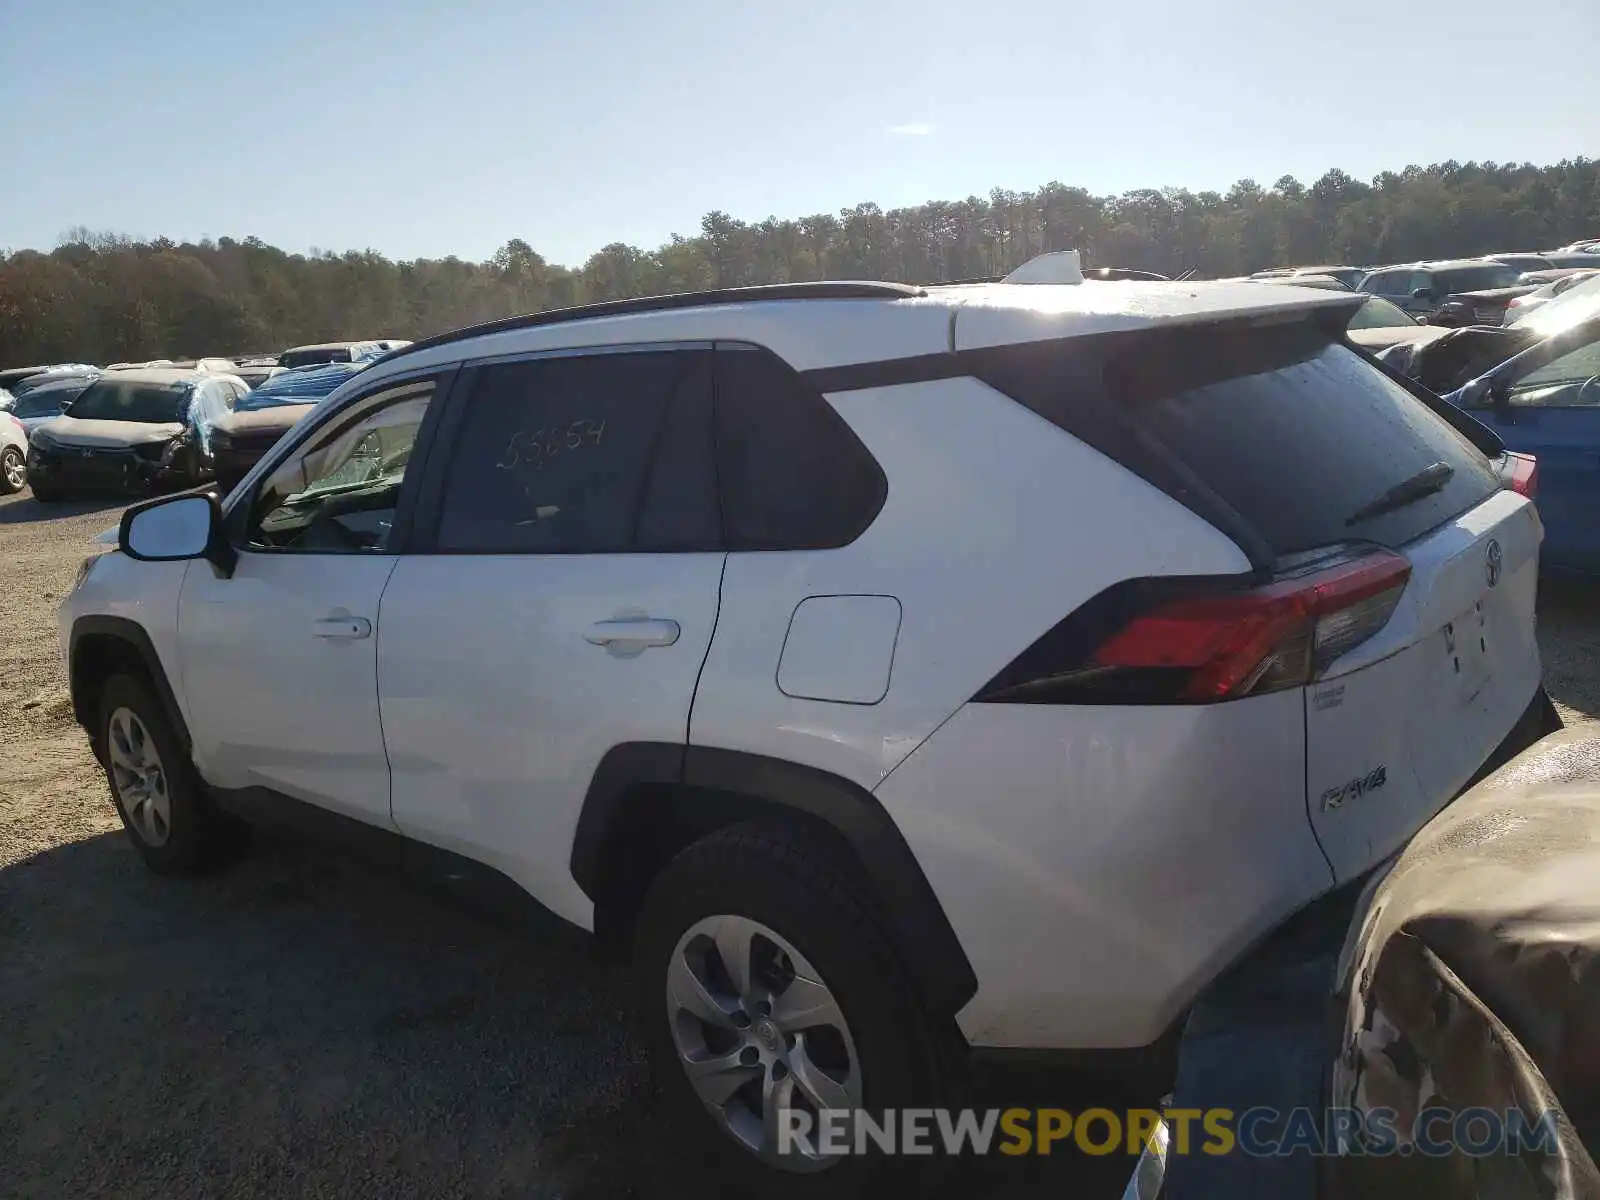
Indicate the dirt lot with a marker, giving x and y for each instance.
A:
(307, 1026)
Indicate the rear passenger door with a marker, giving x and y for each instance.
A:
(559, 600)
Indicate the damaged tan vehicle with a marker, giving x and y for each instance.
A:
(135, 431)
(1436, 1034)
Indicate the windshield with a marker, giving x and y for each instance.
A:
(126, 400)
(1378, 313)
(1475, 279)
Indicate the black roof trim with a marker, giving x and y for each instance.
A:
(826, 290)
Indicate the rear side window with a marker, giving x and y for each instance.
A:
(1297, 434)
(1278, 435)
(793, 475)
(587, 454)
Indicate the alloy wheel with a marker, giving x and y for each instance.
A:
(139, 777)
(16, 470)
(758, 1033)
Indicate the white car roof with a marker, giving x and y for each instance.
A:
(1001, 314)
(817, 329)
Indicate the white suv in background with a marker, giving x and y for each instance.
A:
(896, 670)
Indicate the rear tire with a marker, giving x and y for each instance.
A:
(773, 923)
(13, 471)
(171, 821)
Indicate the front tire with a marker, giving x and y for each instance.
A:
(172, 823)
(13, 471)
(767, 982)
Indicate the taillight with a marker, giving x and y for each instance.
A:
(1212, 645)
(1520, 473)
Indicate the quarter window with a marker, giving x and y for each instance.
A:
(793, 475)
(606, 453)
(337, 493)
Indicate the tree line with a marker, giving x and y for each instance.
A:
(100, 297)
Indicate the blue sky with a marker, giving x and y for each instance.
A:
(420, 129)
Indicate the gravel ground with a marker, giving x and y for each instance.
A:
(308, 1026)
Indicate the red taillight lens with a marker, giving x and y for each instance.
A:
(1223, 646)
(1520, 473)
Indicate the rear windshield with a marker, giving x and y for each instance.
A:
(1297, 434)
(1475, 279)
(123, 400)
(305, 358)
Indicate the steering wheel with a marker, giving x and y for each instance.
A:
(1588, 392)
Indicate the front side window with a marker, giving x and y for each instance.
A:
(338, 491)
(606, 453)
(1571, 381)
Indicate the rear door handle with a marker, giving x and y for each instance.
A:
(342, 629)
(631, 635)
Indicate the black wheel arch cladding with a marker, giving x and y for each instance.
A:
(929, 945)
(122, 642)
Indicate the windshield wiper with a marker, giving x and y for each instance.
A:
(1425, 482)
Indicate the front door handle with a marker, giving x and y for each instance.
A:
(627, 636)
(342, 629)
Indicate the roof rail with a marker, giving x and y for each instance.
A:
(825, 290)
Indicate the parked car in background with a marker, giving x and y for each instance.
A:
(53, 374)
(1486, 307)
(1575, 258)
(12, 376)
(1327, 283)
(1522, 260)
(1420, 288)
(240, 437)
(1349, 276)
(132, 431)
(326, 352)
(49, 400)
(1545, 401)
(1380, 324)
(256, 371)
(1548, 290)
(13, 454)
(1584, 246)
(1578, 303)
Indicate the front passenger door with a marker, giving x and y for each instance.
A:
(279, 659)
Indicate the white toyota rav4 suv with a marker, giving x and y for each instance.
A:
(897, 671)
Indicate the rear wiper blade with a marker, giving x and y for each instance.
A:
(1425, 482)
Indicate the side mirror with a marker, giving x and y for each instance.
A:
(176, 529)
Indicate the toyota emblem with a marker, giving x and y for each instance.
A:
(1491, 563)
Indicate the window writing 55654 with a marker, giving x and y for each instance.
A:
(532, 448)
